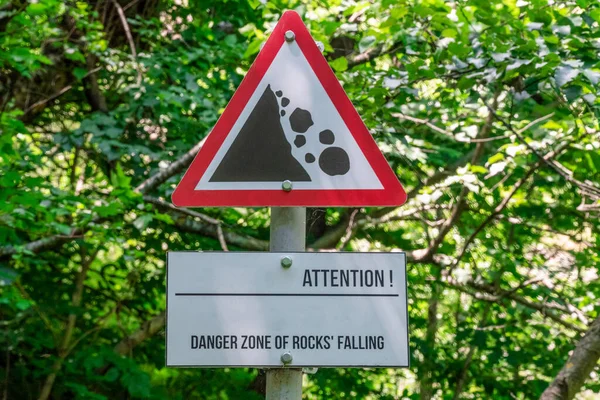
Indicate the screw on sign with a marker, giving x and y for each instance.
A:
(286, 358)
(290, 140)
(286, 262)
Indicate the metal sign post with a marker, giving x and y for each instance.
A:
(288, 139)
(288, 233)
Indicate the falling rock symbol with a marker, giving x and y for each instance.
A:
(301, 120)
(334, 161)
(300, 140)
(326, 137)
(260, 151)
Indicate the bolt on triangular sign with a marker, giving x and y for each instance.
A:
(289, 137)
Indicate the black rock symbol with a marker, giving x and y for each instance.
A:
(300, 140)
(334, 161)
(260, 151)
(301, 120)
(326, 137)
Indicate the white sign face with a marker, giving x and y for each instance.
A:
(324, 152)
(326, 310)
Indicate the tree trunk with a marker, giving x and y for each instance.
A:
(577, 368)
(429, 364)
(63, 348)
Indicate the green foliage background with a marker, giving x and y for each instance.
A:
(486, 110)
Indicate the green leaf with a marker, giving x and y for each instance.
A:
(137, 383)
(339, 64)
(593, 76)
(593, 159)
(478, 169)
(74, 55)
(164, 218)
(231, 40)
(495, 158)
(36, 8)
(366, 43)
(109, 210)
(7, 276)
(79, 73)
(190, 83)
(573, 92)
(253, 48)
(118, 178)
(399, 12)
(23, 304)
(63, 229)
(565, 74)
(111, 375)
(449, 33)
(142, 222)
(43, 59)
(247, 29)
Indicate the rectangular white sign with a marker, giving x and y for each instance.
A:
(326, 310)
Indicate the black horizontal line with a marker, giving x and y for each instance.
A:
(293, 294)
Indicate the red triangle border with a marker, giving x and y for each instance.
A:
(392, 193)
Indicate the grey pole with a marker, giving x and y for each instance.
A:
(288, 233)
(288, 229)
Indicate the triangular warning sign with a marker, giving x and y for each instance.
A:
(289, 137)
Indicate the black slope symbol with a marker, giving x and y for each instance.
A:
(260, 152)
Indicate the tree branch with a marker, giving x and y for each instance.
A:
(176, 167)
(211, 230)
(41, 244)
(483, 292)
(565, 173)
(462, 197)
(349, 230)
(370, 54)
(495, 213)
(146, 186)
(161, 204)
(56, 95)
(129, 38)
(147, 330)
(428, 253)
(335, 233)
(424, 122)
(498, 209)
